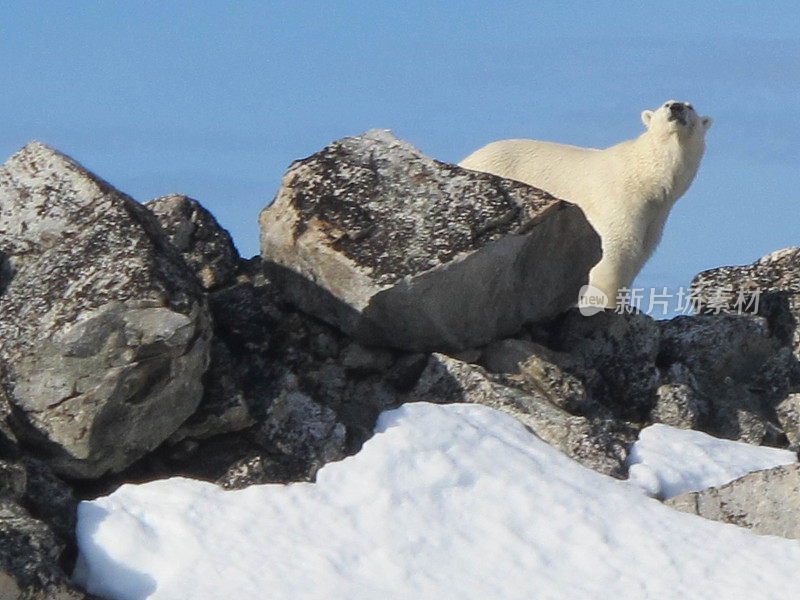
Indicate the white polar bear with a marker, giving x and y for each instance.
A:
(626, 191)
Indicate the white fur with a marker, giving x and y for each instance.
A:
(626, 191)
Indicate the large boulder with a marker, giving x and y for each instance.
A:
(767, 502)
(401, 250)
(104, 331)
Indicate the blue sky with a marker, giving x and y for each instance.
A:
(215, 99)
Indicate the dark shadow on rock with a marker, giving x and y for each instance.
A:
(310, 297)
(775, 307)
(6, 272)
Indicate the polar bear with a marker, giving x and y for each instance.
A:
(626, 191)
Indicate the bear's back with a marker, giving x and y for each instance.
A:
(559, 169)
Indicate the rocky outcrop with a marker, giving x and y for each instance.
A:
(103, 330)
(769, 287)
(767, 502)
(29, 555)
(136, 343)
(37, 532)
(400, 250)
(729, 372)
(205, 246)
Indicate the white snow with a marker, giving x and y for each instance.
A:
(666, 461)
(444, 502)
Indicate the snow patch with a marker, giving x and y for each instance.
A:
(451, 502)
(667, 461)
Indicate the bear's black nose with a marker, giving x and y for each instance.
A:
(676, 107)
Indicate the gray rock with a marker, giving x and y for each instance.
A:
(614, 356)
(401, 250)
(597, 443)
(104, 332)
(205, 246)
(768, 502)
(788, 414)
(29, 558)
(235, 385)
(37, 531)
(356, 357)
(31, 484)
(725, 373)
(542, 375)
(284, 393)
(505, 356)
(769, 287)
(298, 426)
(678, 405)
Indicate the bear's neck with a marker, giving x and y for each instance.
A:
(671, 164)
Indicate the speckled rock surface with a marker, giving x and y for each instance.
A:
(768, 502)
(401, 250)
(29, 559)
(770, 286)
(104, 332)
(615, 357)
(37, 532)
(728, 373)
(205, 246)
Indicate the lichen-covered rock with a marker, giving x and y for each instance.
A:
(769, 287)
(788, 413)
(722, 374)
(30, 483)
(401, 250)
(104, 332)
(614, 355)
(768, 502)
(679, 405)
(37, 531)
(506, 356)
(599, 444)
(296, 425)
(30, 556)
(732, 373)
(205, 246)
(284, 394)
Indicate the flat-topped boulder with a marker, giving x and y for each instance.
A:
(398, 249)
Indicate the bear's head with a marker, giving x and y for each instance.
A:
(676, 118)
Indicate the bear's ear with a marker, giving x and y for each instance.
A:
(706, 121)
(646, 116)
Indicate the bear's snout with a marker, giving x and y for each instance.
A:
(678, 111)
